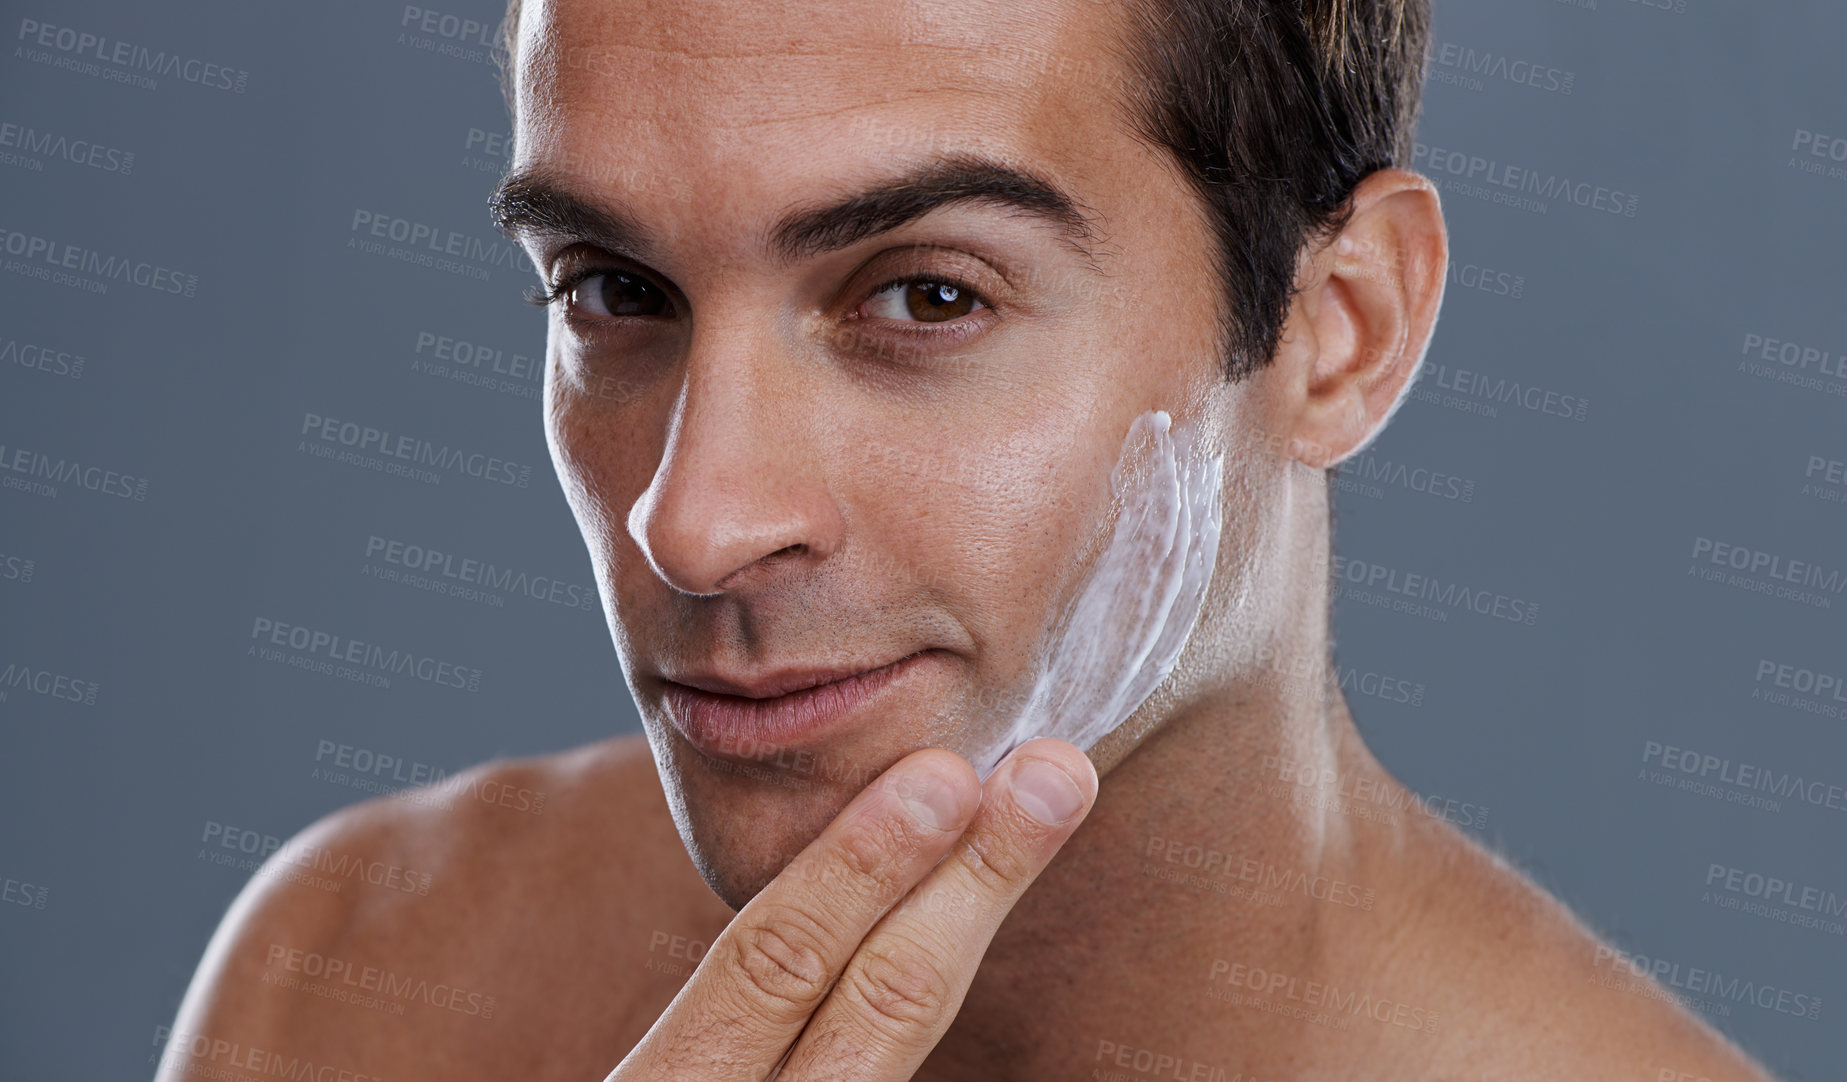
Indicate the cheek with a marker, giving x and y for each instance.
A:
(593, 460)
(567, 435)
(994, 533)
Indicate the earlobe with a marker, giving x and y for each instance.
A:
(1365, 315)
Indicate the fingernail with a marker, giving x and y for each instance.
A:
(929, 801)
(1045, 792)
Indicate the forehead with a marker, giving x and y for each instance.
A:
(716, 99)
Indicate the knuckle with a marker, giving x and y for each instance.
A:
(782, 961)
(871, 858)
(944, 900)
(997, 867)
(897, 984)
(866, 850)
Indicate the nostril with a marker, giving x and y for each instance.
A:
(731, 581)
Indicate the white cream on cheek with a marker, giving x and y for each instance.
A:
(1123, 632)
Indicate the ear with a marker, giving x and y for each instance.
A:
(1361, 319)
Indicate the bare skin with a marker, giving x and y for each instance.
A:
(584, 933)
(1247, 873)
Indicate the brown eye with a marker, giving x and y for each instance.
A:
(923, 301)
(615, 293)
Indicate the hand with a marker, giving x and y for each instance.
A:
(846, 966)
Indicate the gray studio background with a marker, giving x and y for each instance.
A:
(1641, 364)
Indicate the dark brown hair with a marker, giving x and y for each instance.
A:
(1274, 110)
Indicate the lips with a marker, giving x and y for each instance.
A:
(735, 717)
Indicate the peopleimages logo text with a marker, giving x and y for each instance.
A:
(76, 151)
(315, 644)
(1770, 888)
(422, 452)
(426, 560)
(131, 57)
(1373, 576)
(440, 241)
(108, 267)
(67, 471)
(1474, 167)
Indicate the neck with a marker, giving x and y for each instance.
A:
(1219, 840)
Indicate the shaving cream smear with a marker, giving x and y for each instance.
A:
(1123, 633)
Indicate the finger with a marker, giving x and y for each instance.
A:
(773, 965)
(904, 985)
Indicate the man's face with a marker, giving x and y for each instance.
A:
(783, 463)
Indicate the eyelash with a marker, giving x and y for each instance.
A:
(552, 294)
(933, 280)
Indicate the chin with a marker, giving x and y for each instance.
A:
(744, 817)
(743, 823)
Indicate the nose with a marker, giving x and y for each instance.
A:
(739, 492)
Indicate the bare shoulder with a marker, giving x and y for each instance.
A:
(526, 918)
(1528, 991)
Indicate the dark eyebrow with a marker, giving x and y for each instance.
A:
(960, 178)
(534, 202)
